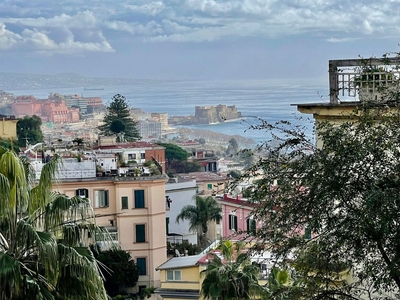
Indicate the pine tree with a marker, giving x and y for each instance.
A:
(118, 121)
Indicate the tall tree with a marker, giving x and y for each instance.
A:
(118, 120)
(206, 209)
(44, 251)
(29, 131)
(345, 193)
(231, 276)
(122, 273)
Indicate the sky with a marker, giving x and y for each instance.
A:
(193, 39)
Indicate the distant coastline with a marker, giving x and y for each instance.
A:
(93, 89)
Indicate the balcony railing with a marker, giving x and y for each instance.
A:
(355, 79)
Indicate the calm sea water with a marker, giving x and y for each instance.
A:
(270, 100)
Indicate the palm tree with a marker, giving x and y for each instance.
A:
(44, 237)
(199, 215)
(231, 276)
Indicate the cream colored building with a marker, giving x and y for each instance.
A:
(8, 127)
(132, 208)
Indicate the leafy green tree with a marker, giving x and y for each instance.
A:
(118, 120)
(346, 193)
(179, 166)
(9, 144)
(44, 252)
(233, 147)
(174, 152)
(29, 131)
(231, 276)
(206, 209)
(176, 157)
(122, 273)
(281, 285)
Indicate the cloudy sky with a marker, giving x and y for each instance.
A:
(193, 39)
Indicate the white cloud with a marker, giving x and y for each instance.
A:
(84, 19)
(135, 28)
(196, 20)
(7, 38)
(152, 9)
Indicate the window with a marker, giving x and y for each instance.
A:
(142, 155)
(140, 233)
(210, 186)
(124, 202)
(174, 275)
(101, 198)
(141, 263)
(251, 226)
(83, 193)
(233, 222)
(167, 224)
(139, 198)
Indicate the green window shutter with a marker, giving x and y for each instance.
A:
(140, 233)
(141, 263)
(139, 198)
(230, 221)
(307, 233)
(106, 198)
(235, 223)
(124, 202)
(167, 224)
(209, 186)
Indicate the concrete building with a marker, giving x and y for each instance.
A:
(8, 127)
(207, 183)
(149, 130)
(162, 118)
(131, 208)
(179, 193)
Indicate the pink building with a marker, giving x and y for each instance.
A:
(237, 222)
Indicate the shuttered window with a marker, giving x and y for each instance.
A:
(251, 226)
(141, 263)
(233, 222)
(140, 233)
(124, 202)
(101, 198)
(83, 193)
(139, 198)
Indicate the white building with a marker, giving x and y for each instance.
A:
(181, 193)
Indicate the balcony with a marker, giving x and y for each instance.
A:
(354, 80)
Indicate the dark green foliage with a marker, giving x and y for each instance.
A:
(192, 249)
(29, 131)
(233, 277)
(9, 145)
(179, 166)
(233, 147)
(234, 174)
(117, 126)
(174, 152)
(122, 273)
(346, 193)
(206, 209)
(118, 120)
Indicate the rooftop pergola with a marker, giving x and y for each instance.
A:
(345, 76)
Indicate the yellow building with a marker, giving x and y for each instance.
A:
(351, 87)
(181, 278)
(8, 127)
(133, 209)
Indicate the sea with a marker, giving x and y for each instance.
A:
(268, 100)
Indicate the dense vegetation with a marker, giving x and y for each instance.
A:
(118, 121)
(44, 244)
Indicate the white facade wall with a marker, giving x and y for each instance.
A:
(181, 194)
